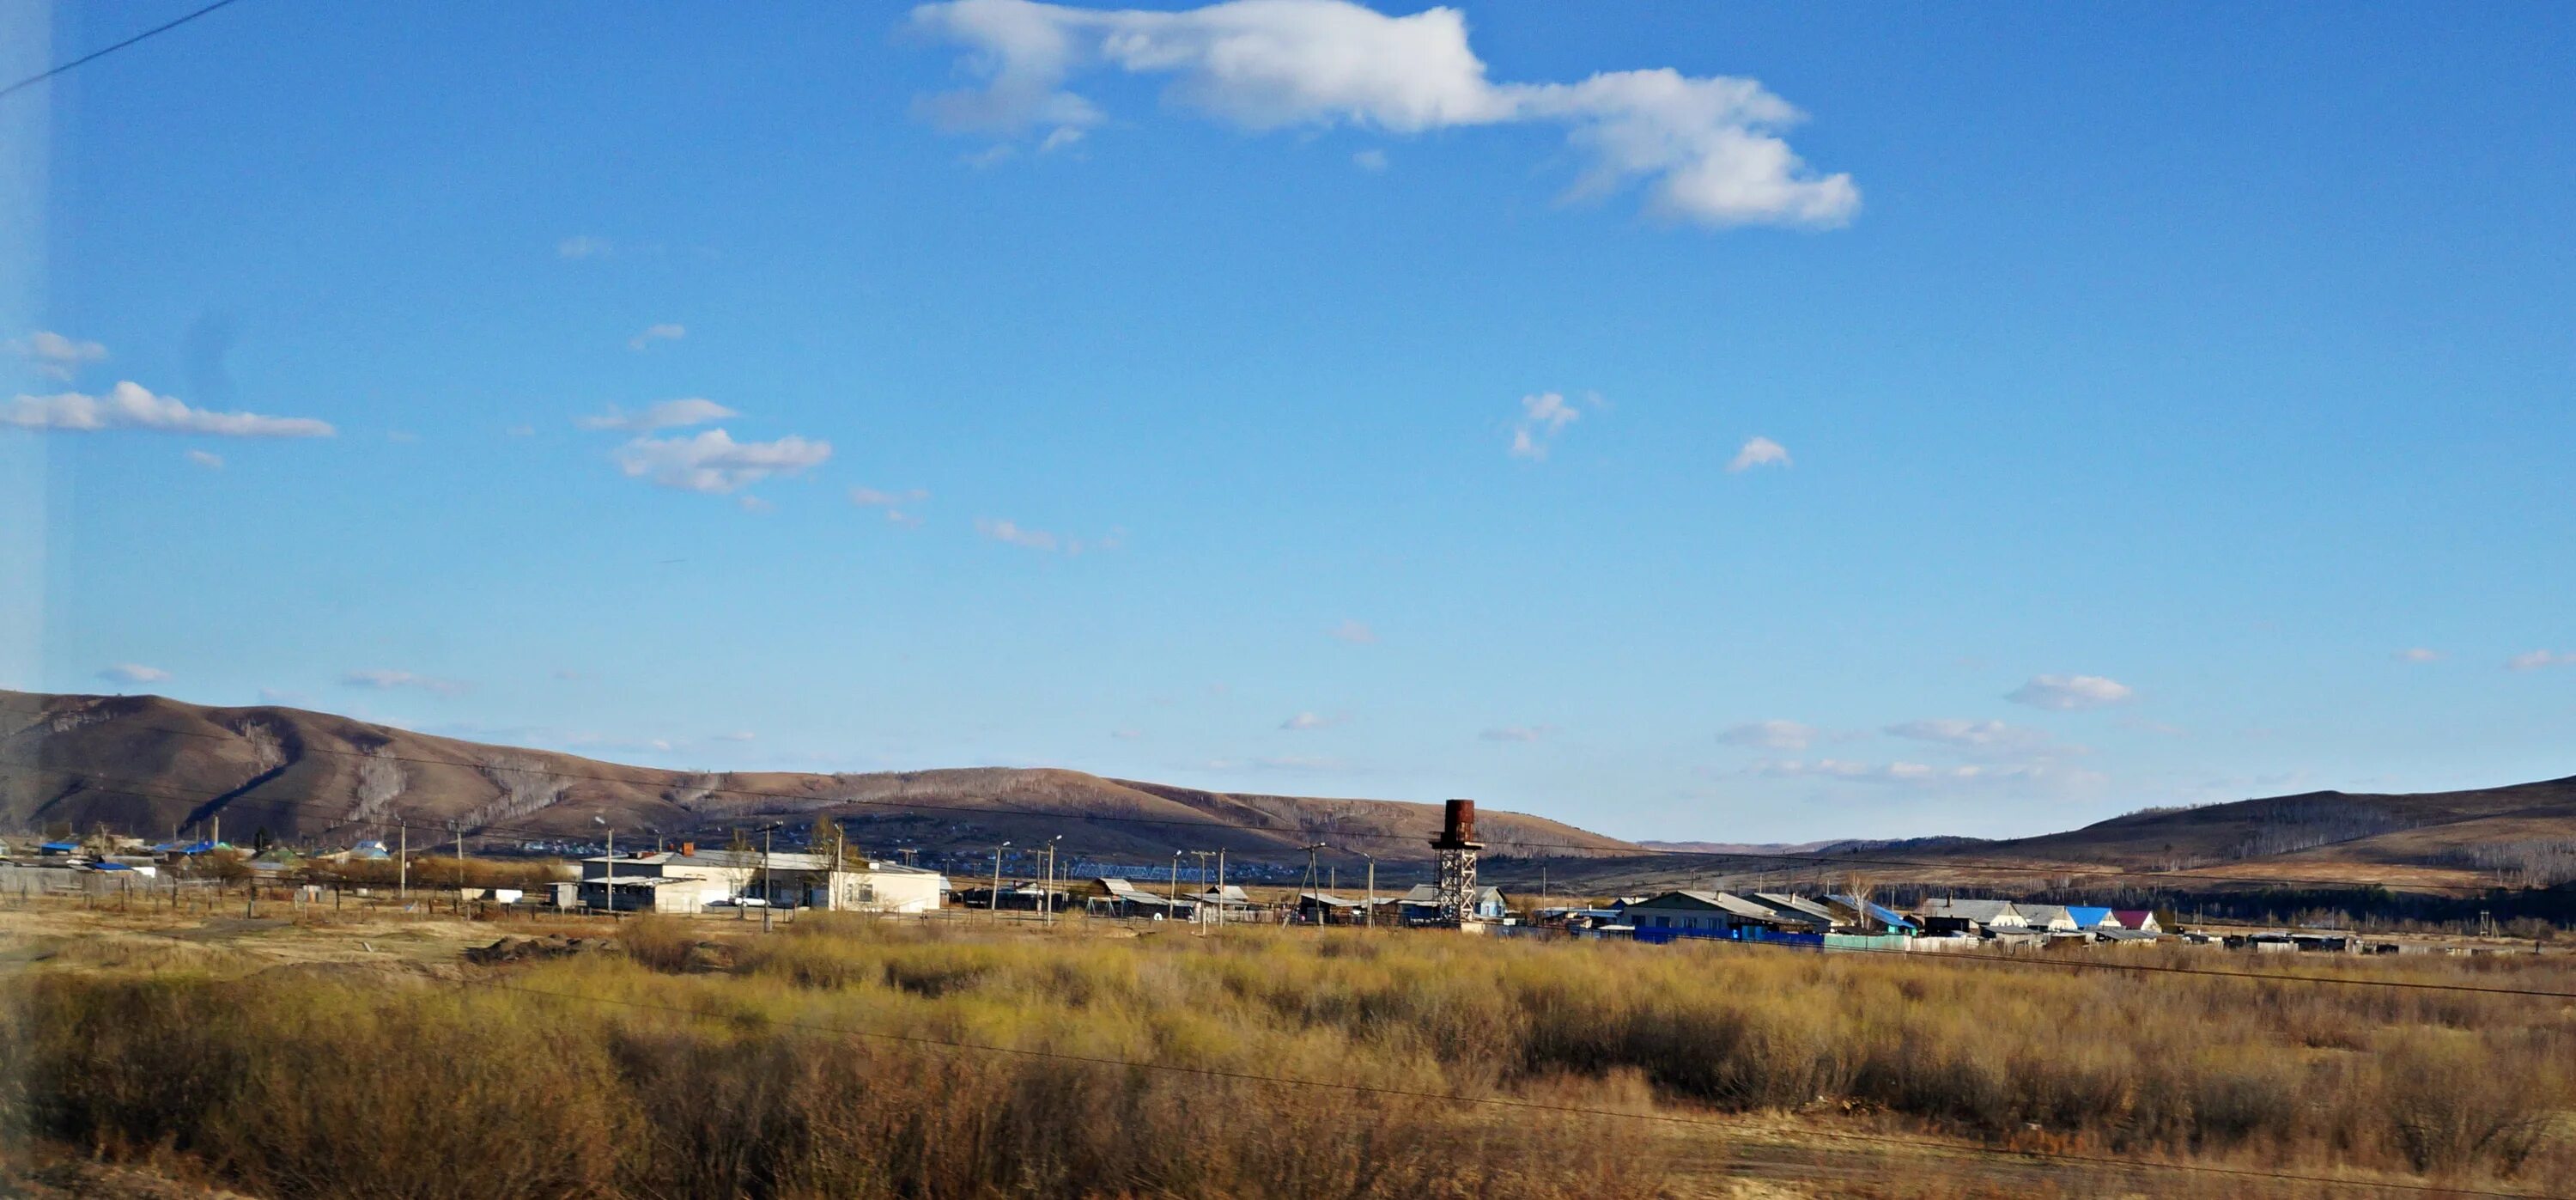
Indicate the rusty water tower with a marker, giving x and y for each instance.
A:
(1457, 847)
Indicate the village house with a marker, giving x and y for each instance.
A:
(1974, 918)
(690, 880)
(2047, 918)
(1689, 913)
(1122, 898)
(1421, 906)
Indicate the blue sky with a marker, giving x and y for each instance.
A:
(1305, 398)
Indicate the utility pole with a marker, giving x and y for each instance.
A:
(1046, 891)
(1172, 906)
(402, 862)
(768, 891)
(996, 904)
(1371, 918)
(608, 882)
(460, 866)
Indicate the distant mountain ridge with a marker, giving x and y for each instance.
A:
(157, 766)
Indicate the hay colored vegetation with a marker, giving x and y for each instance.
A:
(686, 1071)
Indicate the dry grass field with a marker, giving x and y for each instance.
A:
(361, 1056)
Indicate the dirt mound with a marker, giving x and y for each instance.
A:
(538, 949)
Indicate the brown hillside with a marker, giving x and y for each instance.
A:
(154, 766)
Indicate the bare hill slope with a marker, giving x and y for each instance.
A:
(154, 765)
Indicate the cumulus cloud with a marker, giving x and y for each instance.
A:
(133, 406)
(665, 332)
(1543, 416)
(1308, 720)
(667, 414)
(1356, 633)
(1970, 735)
(2418, 654)
(1706, 149)
(55, 355)
(386, 681)
(2533, 660)
(1759, 452)
(715, 464)
(133, 673)
(2070, 693)
(1514, 733)
(1770, 735)
(583, 247)
(206, 458)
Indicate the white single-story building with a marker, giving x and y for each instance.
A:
(782, 880)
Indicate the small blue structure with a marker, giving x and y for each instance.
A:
(2087, 917)
(1879, 914)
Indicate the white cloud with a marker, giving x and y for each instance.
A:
(1759, 452)
(206, 458)
(1514, 733)
(275, 696)
(1356, 633)
(133, 406)
(739, 735)
(134, 673)
(1901, 771)
(55, 355)
(2419, 654)
(665, 332)
(1707, 149)
(1016, 534)
(868, 497)
(1770, 735)
(583, 247)
(1011, 533)
(666, 414)
(386, 681)
(1308, 720)
(2070, 693)
(521, 431)
(1127, 735)
(1369, 160)
(2533, 660)
(715, 464)
(1059, 138)
(754, 504)
(1543, 416)
(1973, 735)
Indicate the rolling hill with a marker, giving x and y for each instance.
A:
(156, 766)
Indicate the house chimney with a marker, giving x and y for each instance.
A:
(688, 849)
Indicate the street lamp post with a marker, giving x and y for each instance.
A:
(995, 905)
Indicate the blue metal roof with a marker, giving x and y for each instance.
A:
(2088, 917)
(1879, 913)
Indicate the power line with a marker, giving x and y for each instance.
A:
(2022, 869)
(104, 51)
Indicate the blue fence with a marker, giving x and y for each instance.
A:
(1657, 937)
